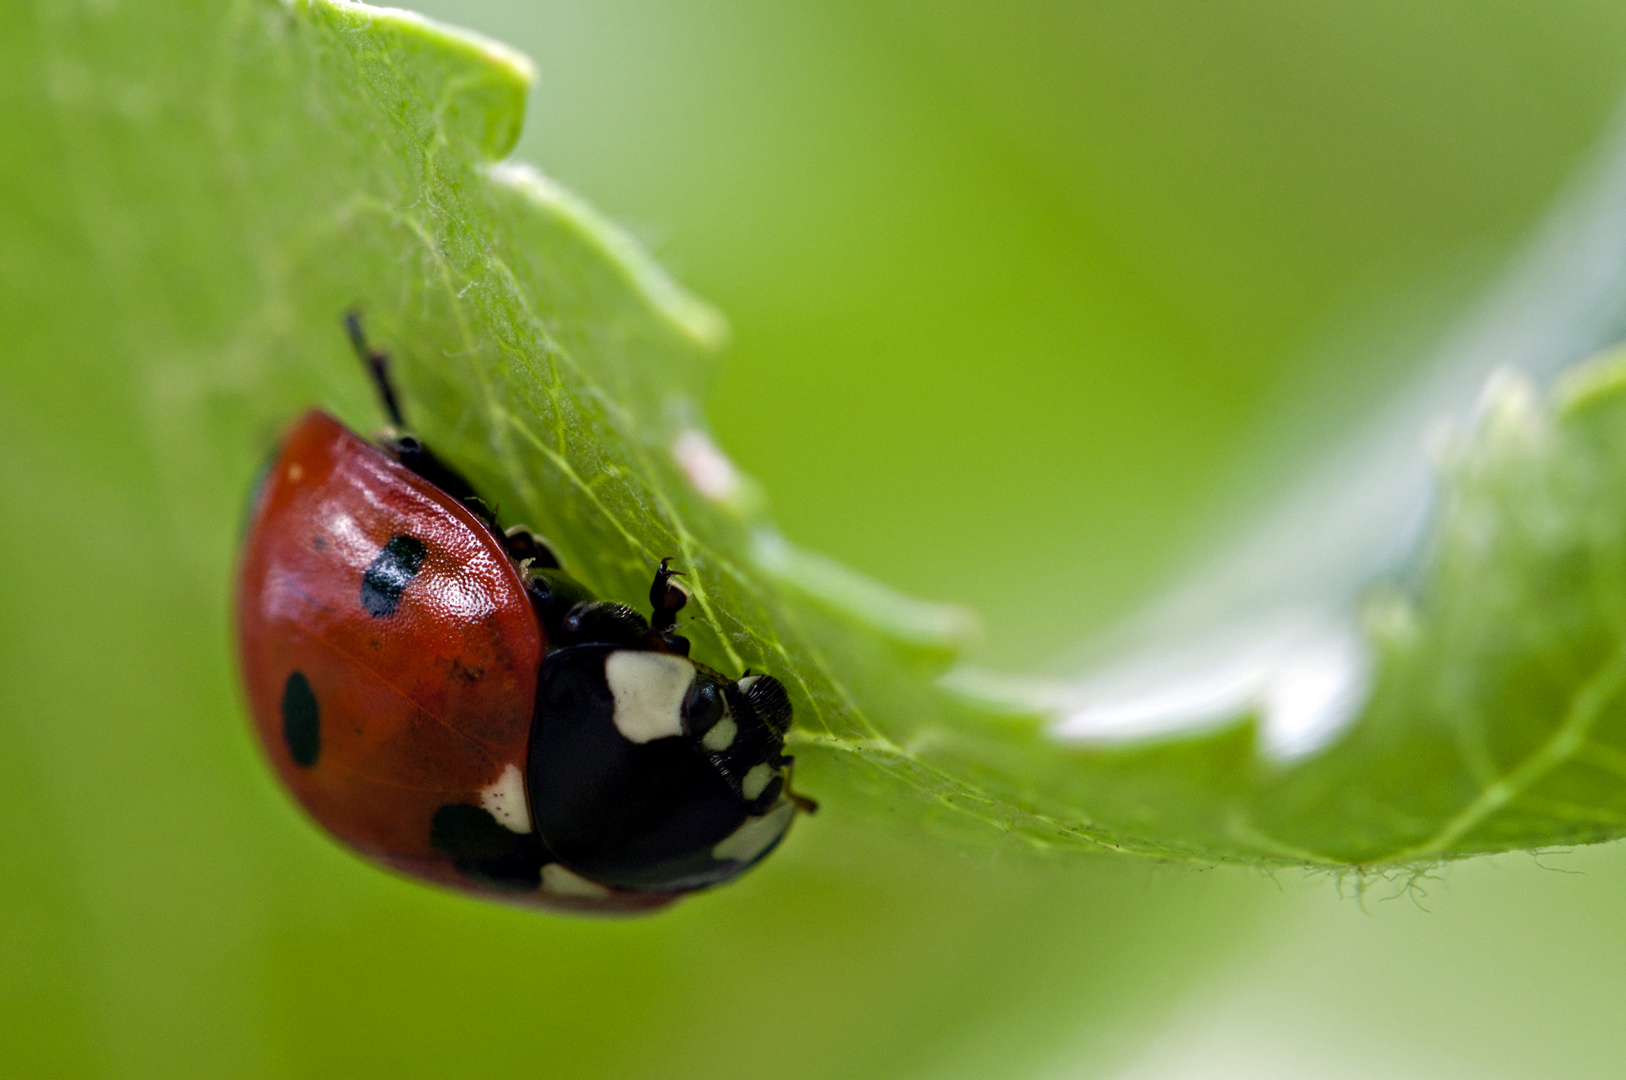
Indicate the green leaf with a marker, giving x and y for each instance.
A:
(543, 351)
(551, 358)
(1498, 707)
(192, 193)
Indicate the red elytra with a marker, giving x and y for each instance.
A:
(429, 707)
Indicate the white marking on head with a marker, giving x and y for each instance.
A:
(757, 835)
(562, 882)
(505, 800)
(756, 781)
(721, 735)
(649, 689)
(707, 468)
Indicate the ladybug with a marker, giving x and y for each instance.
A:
(446, 700)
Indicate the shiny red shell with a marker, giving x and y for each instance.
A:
(427, 707)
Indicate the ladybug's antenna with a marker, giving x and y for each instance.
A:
(378, 366)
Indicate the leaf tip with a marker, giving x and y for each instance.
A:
(692, 317)
(467, 85)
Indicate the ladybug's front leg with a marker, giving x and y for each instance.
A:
(666, 597)
(796, 798)
(523, 545)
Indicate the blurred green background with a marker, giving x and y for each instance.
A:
(1031, 301)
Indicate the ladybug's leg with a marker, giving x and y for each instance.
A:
(603, 622)
(522, 544)
(377, 364)
(412, 453)
(802, 802)
(404, 448)
(666, 597)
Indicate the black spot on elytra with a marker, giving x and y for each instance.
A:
(389, 575)
(301, 721)
(470, 832)
(484, 851)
